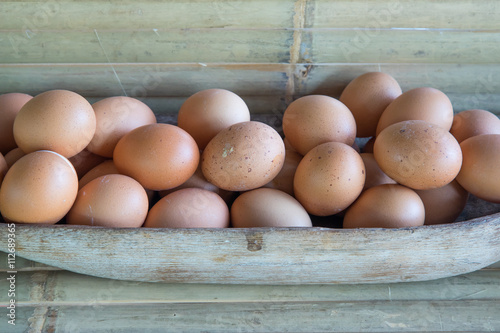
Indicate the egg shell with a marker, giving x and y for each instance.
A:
(84, 161)
(243, 156)
(207, 112)
(480, 173)
(367, 96)
(12, 156)
(284, 180)
(315, 119)
(40, 187)
(57, 120)
(425, 103)
(386, 206)
(115, 117)
(198, 180)
(189, 208)
(107, 167)
(418, 154)
(443, 204)
(3, 168)
(474, 122)
(329, 178)
(115, 201)
(159, 156)
(374, 175)
(10, 104)
(267, 207)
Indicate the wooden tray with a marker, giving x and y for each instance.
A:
(265, 255)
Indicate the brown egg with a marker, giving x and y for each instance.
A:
(84, 161)
(3, 168)
(425, 103)
(267, 207)
(374, 175)
(115, 201)
(367, 96)
(40, 187)
(105, 168)
(207, 112)
(159, 156)
(368, 147)
(284, 180)
(329, 178)
(474, 122)
(57, 120)
(10, 104)
(115, 117)
(315, 119)
(443, 204)
(386, 206)
(189, 208)
(243, 156)
(13, 155)
(198, 180)
(418, 154)
(480, 173)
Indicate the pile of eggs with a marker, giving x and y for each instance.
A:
(112, 164)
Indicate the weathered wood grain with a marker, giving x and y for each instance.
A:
(265, 256)
(265, 87)
(444, 14)
(67, 288)
(395, 316)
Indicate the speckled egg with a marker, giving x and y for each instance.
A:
(329, 178)
(243, 156)
(10, 104)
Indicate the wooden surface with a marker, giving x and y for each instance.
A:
(264, 255)
(52, 300)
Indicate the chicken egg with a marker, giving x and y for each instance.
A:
(10, 104)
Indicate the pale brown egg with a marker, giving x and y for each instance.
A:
(284, 180)
(115, 201)
(159, 156)
(115, 117)
(386, 206)
(243, 156)
(367, 96)
(57, 120)
(267, 207)
(480, 173)
(329, 178)
(424, 103)
(105, 168)
(84, 161)
(443, 204)
(40, 187)
(10, 104)
(474, 122)
(189, 208)
(374, 175)
(198, 180)
(12, 156)
(315, 119)
(207, 112)
(3, 168)
(418, 154)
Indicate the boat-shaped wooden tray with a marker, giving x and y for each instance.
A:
(265, 255)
